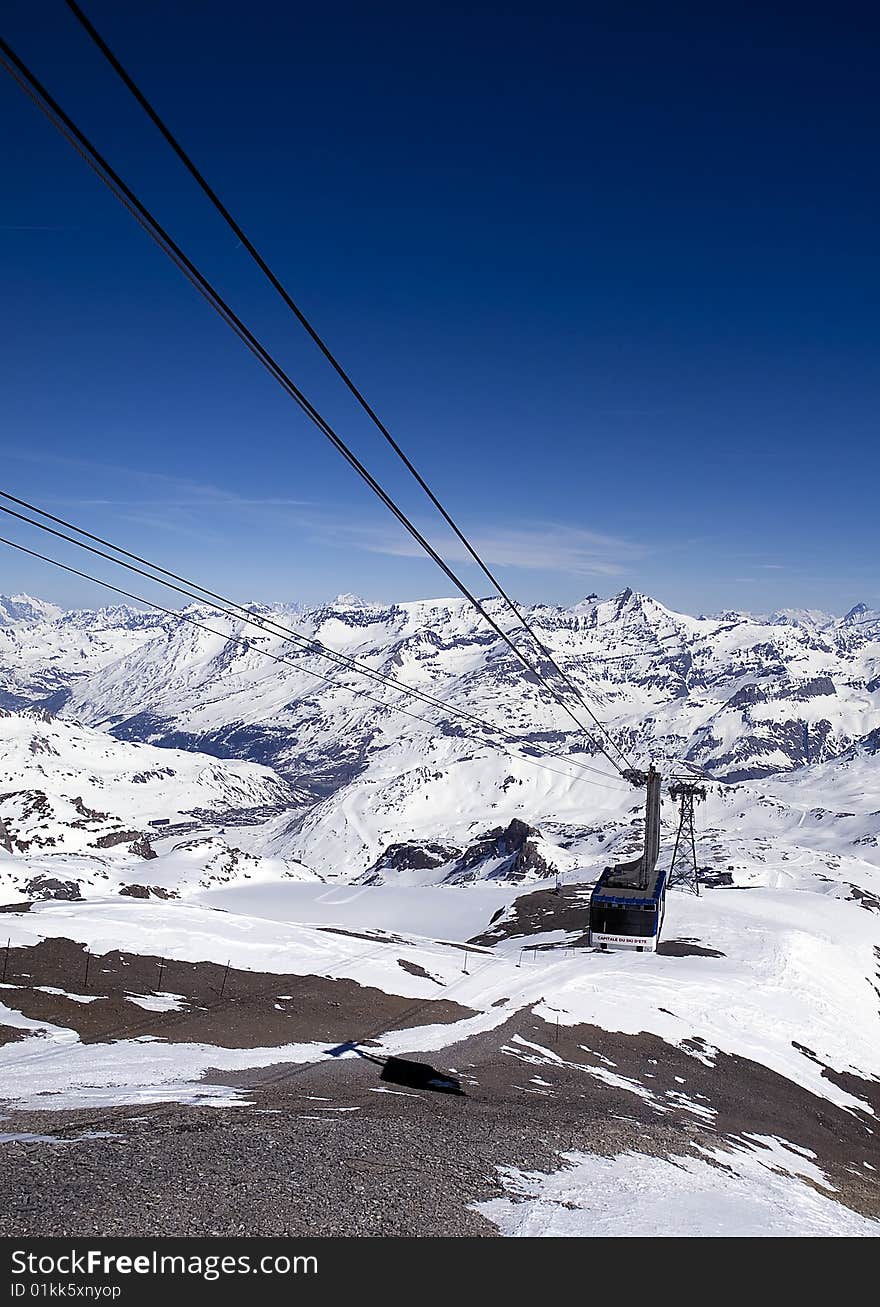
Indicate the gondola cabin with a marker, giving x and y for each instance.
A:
(628, 901)
(624, 916)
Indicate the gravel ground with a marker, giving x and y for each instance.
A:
(395, 1167)
(228, 1008)
(327, 1149)
(399, 1163)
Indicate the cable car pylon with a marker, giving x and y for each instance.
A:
(683, 869)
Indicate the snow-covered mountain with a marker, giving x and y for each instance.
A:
(138, 821)
(745, 697)
(75, 801)
(23, 610)
(44, 650)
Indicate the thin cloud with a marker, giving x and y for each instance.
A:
(218, 500)
(183, 506)
(544, 547)
(181, 492)
(157, 522)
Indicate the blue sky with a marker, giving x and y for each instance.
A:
(609, 273)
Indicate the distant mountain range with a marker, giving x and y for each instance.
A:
(743, 697)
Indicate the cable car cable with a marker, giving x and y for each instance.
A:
(244, 642)
(287, 633)
(65, 125)
(242, 611)
(264, 267)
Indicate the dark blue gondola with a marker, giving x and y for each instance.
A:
(628, 901)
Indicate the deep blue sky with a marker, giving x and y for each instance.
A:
(611, 274)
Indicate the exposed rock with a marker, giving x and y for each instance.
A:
(415, 856)
(142, 848)
(135, 891)
(783, 689)
(116, 837)
(90, 814)
(147, 891)
(48, 887)
(505, 853)
(513, 843)
(541, 910)
(869, 743)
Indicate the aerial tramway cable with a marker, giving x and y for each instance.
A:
(192, 590)
(65, 125)
(246, 643)
(243, 611)
(328, 354)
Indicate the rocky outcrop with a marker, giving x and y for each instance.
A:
(142, 848)
(48, 887)
(148, 891)
(505, 853)
(412, 855)
(513, 846)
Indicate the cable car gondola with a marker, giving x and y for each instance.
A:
(628, 901)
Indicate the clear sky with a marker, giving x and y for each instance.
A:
(610, 273)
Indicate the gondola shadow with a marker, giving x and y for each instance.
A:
(403, 1071)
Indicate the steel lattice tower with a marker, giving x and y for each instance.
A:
(683, 870)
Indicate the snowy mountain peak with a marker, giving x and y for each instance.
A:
(115, 617)
(23, 609)
(743, 695)
(585, 605)
(730, 615)
(630, 607)
(857, 611)
(633, 601)
(812, 617)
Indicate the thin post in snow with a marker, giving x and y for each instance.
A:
(161, 969)
(6, 958)
(223, 981)
(86, 976)
(464, 970)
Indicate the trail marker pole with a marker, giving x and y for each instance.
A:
(86, 977)
(223, 981)
(161, 969)
(6, 959)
